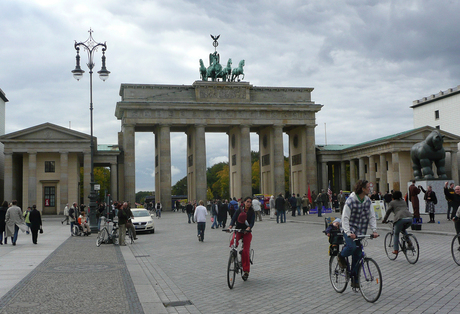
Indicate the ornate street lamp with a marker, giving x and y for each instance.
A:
(91, 46)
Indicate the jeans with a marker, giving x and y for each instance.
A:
(320, 207)
(159, 213)
(215, 224)
(400, 226)
(190, 215)
(14, 238)
(298, 210)
(72, 223)
(281, 213)
(200, 227)
(351, 249)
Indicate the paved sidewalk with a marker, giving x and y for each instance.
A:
(171, 272)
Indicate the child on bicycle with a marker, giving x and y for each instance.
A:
(402, 218)
(333, 231)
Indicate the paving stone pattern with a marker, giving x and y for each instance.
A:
(76, 278)
(290, 271)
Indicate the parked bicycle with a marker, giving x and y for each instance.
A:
(234, 261)
(408, 244)
(130, 234)
(369, 276)
(104, 236)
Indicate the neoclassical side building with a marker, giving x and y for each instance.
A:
(42, 166)
(385, 162)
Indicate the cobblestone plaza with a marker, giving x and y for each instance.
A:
(171, 272)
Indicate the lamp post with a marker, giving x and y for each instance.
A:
(91, 46)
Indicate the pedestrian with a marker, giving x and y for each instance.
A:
(299, 204)
(14, 220)
(280, 210)
(257, 209)
(200, 217)
(158, 208)
(357, 215)
(388, 198)
(223, 212)
(189, 210)
(319, 202)
(232, 207)
(413, 198)
(305, 204)
(313, 199)
(293, 204)
(214, 213)
(335, 202)
(35, 223)
(72, 217)
(26, 218)
(430, 201)
(272, 207)
(99, 214)
(449, 194)
(124, 214)
(3, 210)
(66, 214)
(456, 204)
(84, 223)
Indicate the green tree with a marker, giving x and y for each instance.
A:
(287, 173)
(222, 185)
(141, 195)
(209, 194)
(180, 188)
(256, 178)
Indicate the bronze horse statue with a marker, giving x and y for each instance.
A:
(226, 72)
(238, 71)
(203, 75)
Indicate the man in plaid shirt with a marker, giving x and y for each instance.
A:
(357, 215)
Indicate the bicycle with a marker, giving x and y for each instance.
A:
(103, 236)
(407, 242)
(455, 249)
(234, 261)
(369, 274)
(130, 235)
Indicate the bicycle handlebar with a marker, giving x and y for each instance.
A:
(364, 236)
(236, 230)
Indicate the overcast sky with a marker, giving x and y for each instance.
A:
(366, 60)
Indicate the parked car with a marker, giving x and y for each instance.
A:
(143, 220)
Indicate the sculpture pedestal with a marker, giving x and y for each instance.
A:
(438, 188)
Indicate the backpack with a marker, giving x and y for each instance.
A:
(158, 206)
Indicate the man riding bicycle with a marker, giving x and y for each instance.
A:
(402, 218)
(357, 214)
(244, 218)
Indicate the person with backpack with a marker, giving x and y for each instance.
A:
(232, 207)
(72, 217)
(158, 208)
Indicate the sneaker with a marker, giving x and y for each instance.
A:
(354, 283)
(245, 275)
(341, 261)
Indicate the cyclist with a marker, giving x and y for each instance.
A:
(357, 215)
(244, 218)
(402, 218)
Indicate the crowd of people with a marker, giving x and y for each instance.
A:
(13, 219)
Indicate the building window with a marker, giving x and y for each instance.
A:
(387, 165)
(50, 196)
(266, 160)
(436, 114)
(365, 168)
(49, 166)
(438, 127)
(376, 167)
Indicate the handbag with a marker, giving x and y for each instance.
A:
(212, 219)
(41, 230)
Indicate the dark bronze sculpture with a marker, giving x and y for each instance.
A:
(423, 154)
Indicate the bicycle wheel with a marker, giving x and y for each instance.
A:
(338, 276)
(388, 243)
(101, 236)
(455, 248)
(231, 270)
(412, 252)
(370, 280)
(131, 236)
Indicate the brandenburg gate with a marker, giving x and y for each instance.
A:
(236, 108)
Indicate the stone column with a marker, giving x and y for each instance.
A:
(113, 181)
(278, 159)
(454, 166)
(63, 181)
(32, 193)
(395, 170)
(343, 176)
(129, 163)
(86, 177)
(8, 190)
(246, 171)
(312, 168)
(361, 169)
(165, 167)
(372, 174)
(352, 174)
(383, 174)
(324, 176)
(200, 163)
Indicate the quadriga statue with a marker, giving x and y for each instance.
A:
(423, 154)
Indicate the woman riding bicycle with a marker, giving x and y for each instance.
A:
(402, 218)
(244, 218)
(357, 214)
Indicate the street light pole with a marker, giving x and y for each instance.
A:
(91, 46)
